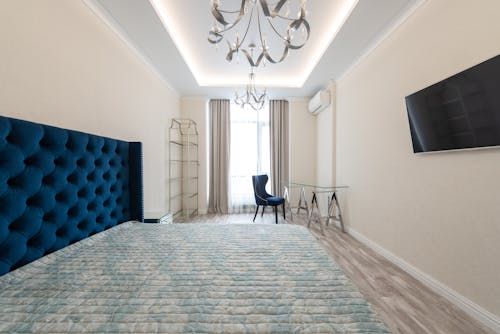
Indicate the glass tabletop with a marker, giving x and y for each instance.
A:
(315, 186)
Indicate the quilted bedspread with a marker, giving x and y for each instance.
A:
(186, 278)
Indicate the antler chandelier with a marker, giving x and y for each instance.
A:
(293, 32)
(251, 97)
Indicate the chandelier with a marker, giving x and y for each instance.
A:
(292, 31)
(251, 97)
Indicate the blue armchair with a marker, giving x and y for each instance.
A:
(265, 199)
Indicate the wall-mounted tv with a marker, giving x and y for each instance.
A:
(460, 112)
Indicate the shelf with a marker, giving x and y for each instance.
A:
(183, 168)
(179, 179)
(183, 143)
(185, 161)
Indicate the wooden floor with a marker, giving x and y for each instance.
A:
(402, 302)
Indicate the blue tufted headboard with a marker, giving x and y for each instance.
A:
(59, 186)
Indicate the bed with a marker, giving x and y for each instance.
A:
(116, 274)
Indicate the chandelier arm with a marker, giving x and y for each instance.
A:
(219, 17)
(256, 108)
(229, 56)
(265, 52)
(275, 11)
(214, 37)
(285, 18)
(278, 7)
(277, 32)
(246, 31)
(296, 25)
(265, 7)
(258, 99)
(250, 59)
(228, 11)
(217, 14)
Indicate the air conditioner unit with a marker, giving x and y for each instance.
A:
(319, 101)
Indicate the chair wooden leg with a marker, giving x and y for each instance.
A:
(284, 217)
(276, 213)
(262, 214)
(256, 211)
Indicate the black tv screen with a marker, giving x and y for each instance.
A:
(462, 111)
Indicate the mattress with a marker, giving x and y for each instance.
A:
(186, 278)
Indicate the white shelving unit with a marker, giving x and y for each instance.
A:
(183, 168)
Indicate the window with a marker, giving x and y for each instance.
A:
(250, 153)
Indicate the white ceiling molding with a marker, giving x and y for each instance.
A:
(392, 27)
(96, 8)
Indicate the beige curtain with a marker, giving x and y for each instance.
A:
(278, 118)
(218, 193)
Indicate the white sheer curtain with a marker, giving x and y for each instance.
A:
(250, 154)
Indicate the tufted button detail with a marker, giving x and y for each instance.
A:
(76, 185)
(72, 178)
(46, 180)
(11, 182)
(59, 161)
(91, 177)
(30, 201)
(61, 232)
(59, 197)
(29, 161)
(99, 190)
(91, 206)
(72, 211)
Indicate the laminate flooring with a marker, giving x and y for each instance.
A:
(402, 302)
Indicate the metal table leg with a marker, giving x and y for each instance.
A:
(314, 204)
(286, 196)
(332, 202)
(302, 198)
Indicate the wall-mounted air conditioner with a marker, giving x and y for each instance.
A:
(319, 101)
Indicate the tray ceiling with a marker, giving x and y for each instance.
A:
(171, 36)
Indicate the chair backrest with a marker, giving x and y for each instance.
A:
(259, 188)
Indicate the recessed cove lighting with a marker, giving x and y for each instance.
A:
(187, 24)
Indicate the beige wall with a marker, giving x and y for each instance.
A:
(196, 108)
(61, 65)
(439, 212)
(302, 145)
(325, 138)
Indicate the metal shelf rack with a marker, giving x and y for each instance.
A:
(183, 168)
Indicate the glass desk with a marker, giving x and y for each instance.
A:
(314, 212)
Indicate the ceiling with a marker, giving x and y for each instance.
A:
(171, 37)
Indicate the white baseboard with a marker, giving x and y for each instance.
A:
(477, 312)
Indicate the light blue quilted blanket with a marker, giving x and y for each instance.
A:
(191, 278)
